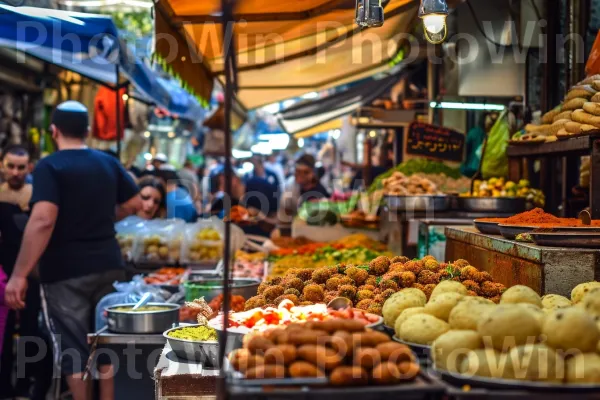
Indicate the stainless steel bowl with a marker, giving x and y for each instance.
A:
(206, 353)
(142, 321)
(211, 288)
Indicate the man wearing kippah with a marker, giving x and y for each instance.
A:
(78, 194)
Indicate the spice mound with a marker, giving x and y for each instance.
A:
(195, 333)
(538, 218)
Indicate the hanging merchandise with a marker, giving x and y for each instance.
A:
(474, 149)
(105, 114)
(495, 160)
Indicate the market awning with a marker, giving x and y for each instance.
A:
(308, 114)
(284, 48)
(324, 127)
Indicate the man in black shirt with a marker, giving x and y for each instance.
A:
(78, 194)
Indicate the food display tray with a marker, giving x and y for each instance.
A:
(577, 239)
(422, 351)
(486, 227)
(418, 203)
(500, 205)
(422, 388)
(527, 387)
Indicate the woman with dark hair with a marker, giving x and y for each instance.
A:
(153, 194)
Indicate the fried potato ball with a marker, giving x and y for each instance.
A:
(266, 372)
(259, 344)
(321, 356)
(364, 294)
(583, 368)
(282, 354)
(242, 360)
(534, 362)
(449, 287)
(371, 280)
(349, 376)
(422, 329)
(441, 305)
(571, 329)
(313, 293)
(367, 358)
(385, 373)
(450, 348)
(487, 363)
(400, 301)
(555, 301)
(508, 326)
(303, 369)
(581, 290)
(394, 352)
(521, 294)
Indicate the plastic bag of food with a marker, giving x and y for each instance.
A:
(160, 242)
(494, 162)
(127, 232)
(203, 241)
(126, 292)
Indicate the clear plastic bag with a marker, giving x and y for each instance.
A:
(203, 241)
(127, 232)
(160, 242)
(495, 160)
(126, 292)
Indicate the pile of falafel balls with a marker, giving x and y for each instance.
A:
(369, 286)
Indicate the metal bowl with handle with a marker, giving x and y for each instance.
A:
(128, 321)
(205, 352)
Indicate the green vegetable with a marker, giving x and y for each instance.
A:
(414, 166)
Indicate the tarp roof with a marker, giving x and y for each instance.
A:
(284, 48)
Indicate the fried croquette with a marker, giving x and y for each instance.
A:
(303, 369)
(255, 302)
(262, 287)
(333, 283)
(313, 293)
(321, 356)
(472, 285)
(388, 284)
(414, 266)
(379, 265)
(347, 291)
(242, 360)
(341, 342)
(273, 292)
(293, 283)
(349, 376)
(366, 357)
(291, 297)
(369, 338)
(266, 372)
(394, 352)
(407, 279)
(385, 373)
(282, 354)
(427, 277)
(304, 274)
(387, 293)
(321, 275)
(364, 294)
(408, 370)
(259, 344)
(367, 287)
(364, 304)
(375, 308)
(371, 280)
(293, 291)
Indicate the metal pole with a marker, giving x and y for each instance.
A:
(118, 112)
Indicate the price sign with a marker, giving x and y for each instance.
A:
(435, 142)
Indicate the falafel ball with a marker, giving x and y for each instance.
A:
(496, 299)
(273, 292)
(304, 274)
(262, 287)
(414, 266)
(386, 294)
(333, 283)
(492, 289)
(255, 302)
(407, 279)
(347, 291)
(364, 304)
(419, 286)
(444, 274)
(360, 277)
(397, 267)
(371, 280)
(329, 296)
(389, 284)
(399, 259)
(428, 257)
(313, 293)
(471, 293)
(432, 265)
(276, 280)
(321, 275)
(293, 298)
(379, 265)
(428, 289)
(484, 276)
(472, 286)
(293, 283)
(375, 308)
(367, 287)
(346, 280)
(461, 263)
(391, 276)
(306, 303)
(364, 294)
(469, 273)
(293, 291)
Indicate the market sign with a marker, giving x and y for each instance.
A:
(435, 142)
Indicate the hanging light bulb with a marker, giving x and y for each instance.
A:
(434, 13)
(369, 13)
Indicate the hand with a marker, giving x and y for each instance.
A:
(15, 292)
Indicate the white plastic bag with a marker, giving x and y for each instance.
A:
(203, 241)
(160, 242)
(127, 232)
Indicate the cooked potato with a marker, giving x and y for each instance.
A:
(386, 373)
(534, 362)
(441, 305)
(323, 357)
(520, 294)
(509, 326)
(466, 315)
(555, 301)
(451, 348)
(349, 376)
(422, 329)
(591, 302)
(571, 328)
(399, 302)
(581, 290)
(303, 369)
(449, 287)
(583, 368)
(483, 362)
(395, 352)
(266, 372)
(404, 315)
(535, 311)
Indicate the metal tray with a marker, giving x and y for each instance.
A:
(422, 351)
(206, 353)
(134, 322)
(492, 204)
(575, 239)
(509, 384)
(510, 232)
(488, 228)
(418, 203)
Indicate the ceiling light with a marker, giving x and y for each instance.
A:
(171, 134)
(372, 134)
(467, 106)
(369, 13)
(147, 134)
(434, 13)
(300, 143)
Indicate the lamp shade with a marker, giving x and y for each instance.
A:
(433, 7)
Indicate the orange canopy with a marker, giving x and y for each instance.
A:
(284, 48)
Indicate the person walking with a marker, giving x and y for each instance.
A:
(78, 194)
